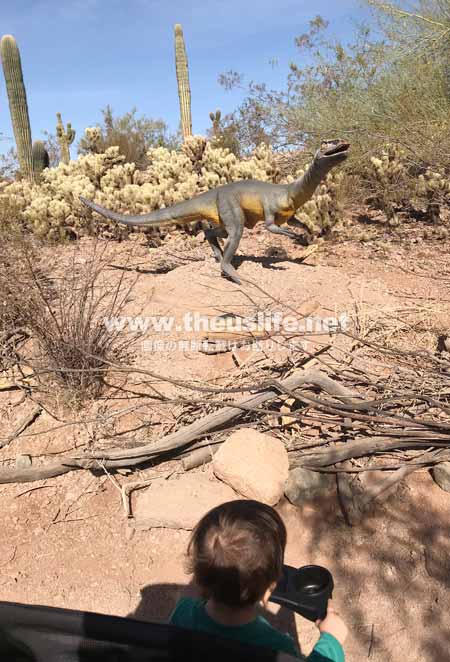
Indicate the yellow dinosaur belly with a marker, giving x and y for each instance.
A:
(210, 214)
(253, 210)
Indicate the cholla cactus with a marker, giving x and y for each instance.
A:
(194, 148)
(52, 208)
(435, 188)
(390, 179)
(397, 184)
(17, 97)
(93, 135)
(65, 138)
(184, 90)
(390, 168)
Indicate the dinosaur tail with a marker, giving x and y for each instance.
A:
(179, 213)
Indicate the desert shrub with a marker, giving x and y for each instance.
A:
(73, 344)
(373, 90)
(63, 314)
(17, 285)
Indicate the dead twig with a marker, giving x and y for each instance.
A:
(23, 425)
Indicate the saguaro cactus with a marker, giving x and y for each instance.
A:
(40, 158)
(65, 138)
(184, 90)
(17, 97)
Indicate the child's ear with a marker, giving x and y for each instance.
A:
(268, 593)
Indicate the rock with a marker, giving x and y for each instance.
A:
(304, 485)
(255, 465)
(441, 475)
(23, 461)
(179, 504)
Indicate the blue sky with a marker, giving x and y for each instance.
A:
(80, 55)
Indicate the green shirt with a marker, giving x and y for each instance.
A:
(191, 614)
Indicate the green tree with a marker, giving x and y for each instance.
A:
(370, 91)
(132, 134)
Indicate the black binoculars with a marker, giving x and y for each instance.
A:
(305, 590)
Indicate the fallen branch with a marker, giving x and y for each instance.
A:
(359, 448)
(23, 425)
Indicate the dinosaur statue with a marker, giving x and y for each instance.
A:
(232, 207)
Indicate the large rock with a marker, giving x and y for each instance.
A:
(255, 465)
(304, 485)
(441, 475)
(179, 504)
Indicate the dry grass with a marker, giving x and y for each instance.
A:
(16, 288)
(70, 344)
(411, 326)
(73, 342)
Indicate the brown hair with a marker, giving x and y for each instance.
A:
(236, 551)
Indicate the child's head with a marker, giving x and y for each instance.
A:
(236, 552)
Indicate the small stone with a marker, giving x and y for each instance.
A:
(254, 464)
(181, 503)
(304, 485)
(23, 461)
(441, 475)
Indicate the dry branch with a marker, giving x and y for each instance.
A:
(23, 425)
(181, 438)
(358, 448)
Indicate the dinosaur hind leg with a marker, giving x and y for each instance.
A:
(212, 236)
(272, 227)
(233, 219)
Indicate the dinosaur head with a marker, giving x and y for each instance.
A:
(332, 152)
(329, 155)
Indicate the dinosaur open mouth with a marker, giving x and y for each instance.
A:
(337, 148)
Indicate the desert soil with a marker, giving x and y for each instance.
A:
(66, 541)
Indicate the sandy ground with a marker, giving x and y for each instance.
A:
(66, 542)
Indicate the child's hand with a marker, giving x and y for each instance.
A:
(333, 624)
